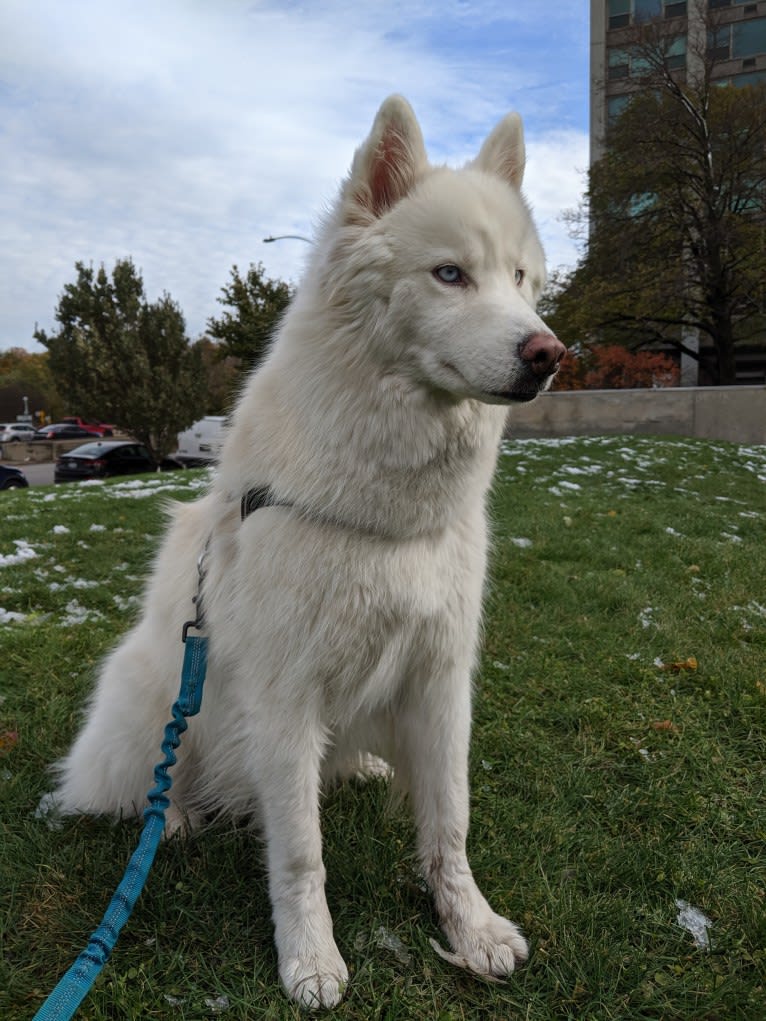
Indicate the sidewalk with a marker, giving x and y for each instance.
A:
(38, 474)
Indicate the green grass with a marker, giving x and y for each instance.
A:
(606, 784)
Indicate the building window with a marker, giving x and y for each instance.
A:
(738, 40)
(675, 53)
(748, 38)
(645, 10)
(619, 13)
(615, 106)
(753, 78)
(618, 64)
(625, 62)
(719, 43)
(626, 12)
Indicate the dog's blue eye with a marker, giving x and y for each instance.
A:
(449, 274)
(519, 277)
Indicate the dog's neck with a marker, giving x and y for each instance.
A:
(391, 460)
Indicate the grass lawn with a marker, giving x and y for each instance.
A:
(619, 762)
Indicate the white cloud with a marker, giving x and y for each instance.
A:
(554, 182)
(184, 132)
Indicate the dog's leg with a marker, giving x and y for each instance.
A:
(435, 732)
(310, 965)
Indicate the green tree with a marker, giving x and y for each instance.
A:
(254, 305)
(118, 357)
(676, 212)
(221, 373)
(27, 374)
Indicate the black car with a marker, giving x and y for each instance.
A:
(107, 458)
(12, 478)
(63, 431)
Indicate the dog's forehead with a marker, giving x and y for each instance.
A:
(472, 211)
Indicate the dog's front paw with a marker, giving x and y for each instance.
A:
(315, 981)
(491, 950)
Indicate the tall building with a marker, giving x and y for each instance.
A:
(738, 48)
(735, 42)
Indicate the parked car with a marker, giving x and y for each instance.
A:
(12, 478)
(107, 458)
(14, 432)
(62, 431)
(100, 428)
(201, 443)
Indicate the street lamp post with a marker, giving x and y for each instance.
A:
(283, 237)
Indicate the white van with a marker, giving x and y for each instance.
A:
(201, 443)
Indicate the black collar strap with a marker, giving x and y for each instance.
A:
(263, 496)
(259, 496)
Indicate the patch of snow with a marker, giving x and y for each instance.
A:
(80, 583)
(217, 1004)
(77, 614)
(23, 553)
(48, 811)
(645, 617)
(695, 922)
(10, 616)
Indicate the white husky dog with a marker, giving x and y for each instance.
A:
(343, 614)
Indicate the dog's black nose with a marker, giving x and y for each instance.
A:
(542, 353)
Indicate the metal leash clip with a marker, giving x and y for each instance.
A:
(199, 619)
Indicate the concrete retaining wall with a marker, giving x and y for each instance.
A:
(735, 413)
(41, 450)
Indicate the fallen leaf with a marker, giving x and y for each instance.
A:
(665, 725)
(684, 664)
(8, 741)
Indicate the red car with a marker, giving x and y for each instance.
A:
(64, 431)
(99, 428)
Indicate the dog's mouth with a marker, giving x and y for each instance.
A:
(522, 392)
(514, 396)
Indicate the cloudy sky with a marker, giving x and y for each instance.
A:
(183, 132)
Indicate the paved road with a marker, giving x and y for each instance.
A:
(37, 474)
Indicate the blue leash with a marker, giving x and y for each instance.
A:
(73, 987)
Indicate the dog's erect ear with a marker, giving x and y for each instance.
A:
(503, 151)
(389, 162)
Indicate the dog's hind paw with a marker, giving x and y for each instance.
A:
(361, 768)
(491, 952)
(315, 983)
(179, 824)
(372, 767)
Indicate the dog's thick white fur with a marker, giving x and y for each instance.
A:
(343, 624)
